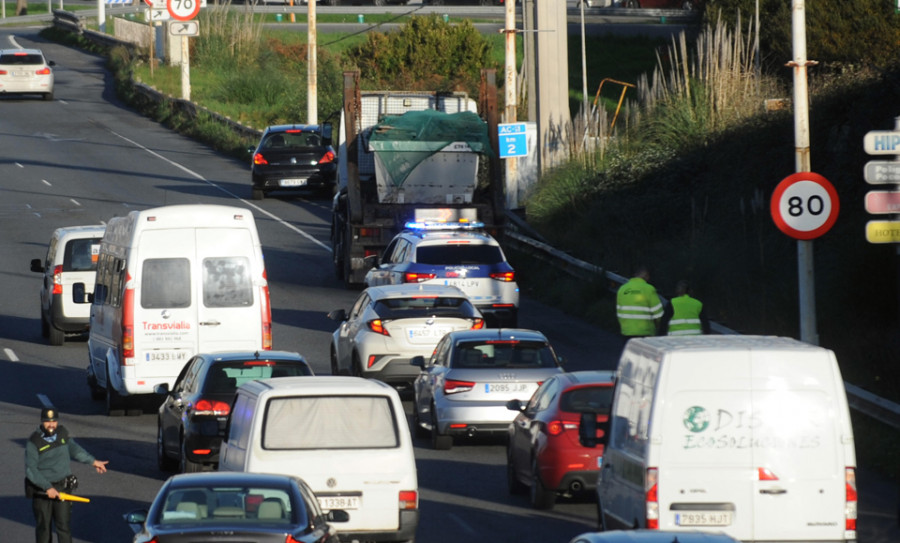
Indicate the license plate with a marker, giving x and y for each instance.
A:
(166, 356)
(18, 73)
(427, 332)
(292, 182)
(339, 502)
(699, 518)
(506, 387)
(462, 283)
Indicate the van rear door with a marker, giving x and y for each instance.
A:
(228, 279)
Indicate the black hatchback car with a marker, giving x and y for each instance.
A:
(293, 157)
(193, 417)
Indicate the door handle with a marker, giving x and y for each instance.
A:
(773, 491)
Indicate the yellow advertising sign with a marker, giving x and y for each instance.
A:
(883, 231)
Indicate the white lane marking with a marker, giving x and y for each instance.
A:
(44, 181)
(462, 524)
(74, 201)
(19, 165)
(11, 355)
(210, 183)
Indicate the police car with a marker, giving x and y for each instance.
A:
(458, 254)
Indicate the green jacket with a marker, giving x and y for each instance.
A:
(686, 312)
(47, 463)
(638, 308)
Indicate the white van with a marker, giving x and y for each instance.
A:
(172, 282)
(345, 436)
(748, 435)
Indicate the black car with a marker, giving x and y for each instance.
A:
(234, 506)
(193, 417)
(294, 157)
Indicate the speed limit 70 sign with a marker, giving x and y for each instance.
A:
(183, 10)
(804, 205)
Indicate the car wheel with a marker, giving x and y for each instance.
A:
(162, 459)
(186, 465)
(541, 498)
(258, 194)
(356, 369)
(48, 96)
(45, 328)
(418, 429)
(439, 441)
(56, 336)
(114, 407)
(335, 370)
(513, 483)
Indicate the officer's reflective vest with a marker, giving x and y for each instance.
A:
(685, 316)
(638, 307)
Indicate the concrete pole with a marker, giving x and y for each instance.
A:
(312, 98)
(185, 68)
(509, 85)
(805, 271)
(101, 15)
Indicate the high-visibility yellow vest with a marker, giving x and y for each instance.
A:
(685, 319)
(638, 308)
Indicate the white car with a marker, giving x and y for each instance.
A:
(462, 255)
(388, 326)
(69, 271)
(26, 71)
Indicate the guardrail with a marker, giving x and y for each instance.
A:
(865, 402)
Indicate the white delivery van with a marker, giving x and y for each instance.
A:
(171, 282)
(345, 436)
(748, 435)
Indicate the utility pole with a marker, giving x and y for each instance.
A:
(512, 185)
(312, 100)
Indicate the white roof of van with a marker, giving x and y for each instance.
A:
(720, 342)
(318, 385)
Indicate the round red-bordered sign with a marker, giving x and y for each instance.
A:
(804, 205)
(183, 10)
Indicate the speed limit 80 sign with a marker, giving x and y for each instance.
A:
(804, 205)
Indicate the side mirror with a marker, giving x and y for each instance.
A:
(515, 405)
(561, 360)
(51, 63)
(418, 361)
(338, 315)
(371, 261)
(136, 519)
(327, 133)
(162, 388)
(79, 296)
(36, 265)
(337, 515)
(590, 432)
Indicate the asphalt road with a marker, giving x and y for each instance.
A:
(84, 158)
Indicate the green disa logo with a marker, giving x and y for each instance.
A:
(695, 419)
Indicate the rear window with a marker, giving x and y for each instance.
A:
(292, 140)
(240, 504)
(330, 422)
(227, 377)
(166, 282)
(21, 60)
(81, 254)
(226, 282)
(504, 354)
(411, 308)
(588, 400)
(458, 255)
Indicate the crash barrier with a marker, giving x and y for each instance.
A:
(865, 402)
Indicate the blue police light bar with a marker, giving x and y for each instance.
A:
(461, 225)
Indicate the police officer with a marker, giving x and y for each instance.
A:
(684, 315)
(638, 307)
(48, 453)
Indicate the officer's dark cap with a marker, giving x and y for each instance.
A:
(49, 414)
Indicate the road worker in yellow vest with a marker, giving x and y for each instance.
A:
(638, 306)
(684, 314)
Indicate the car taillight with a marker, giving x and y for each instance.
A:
(4, 72)
(290, 539)
(506, 277)
(211, 407)
(370, 233)
(477, 324)
(258, 159)
(409, 499)
(128, 325)
(57, 280)
(266, 309)
(850, 507)
(327, 157)
(377, 326)
(410, 277)
(43, 71)
(554, 428)
(452, 386)
(652, 499)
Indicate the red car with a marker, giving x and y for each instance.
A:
(555, 445)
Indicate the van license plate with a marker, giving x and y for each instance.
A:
(338, 502)
(292, 182)
(698, 518)
(166, 356)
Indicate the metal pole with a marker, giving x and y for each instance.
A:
(312, 99)
(185, 69)
(805, 271)
(512, 191)
(584, 90)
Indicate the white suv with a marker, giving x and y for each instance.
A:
(462, 255)
(69, 271)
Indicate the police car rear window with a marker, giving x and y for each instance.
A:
(458, 255)
(413, 308)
